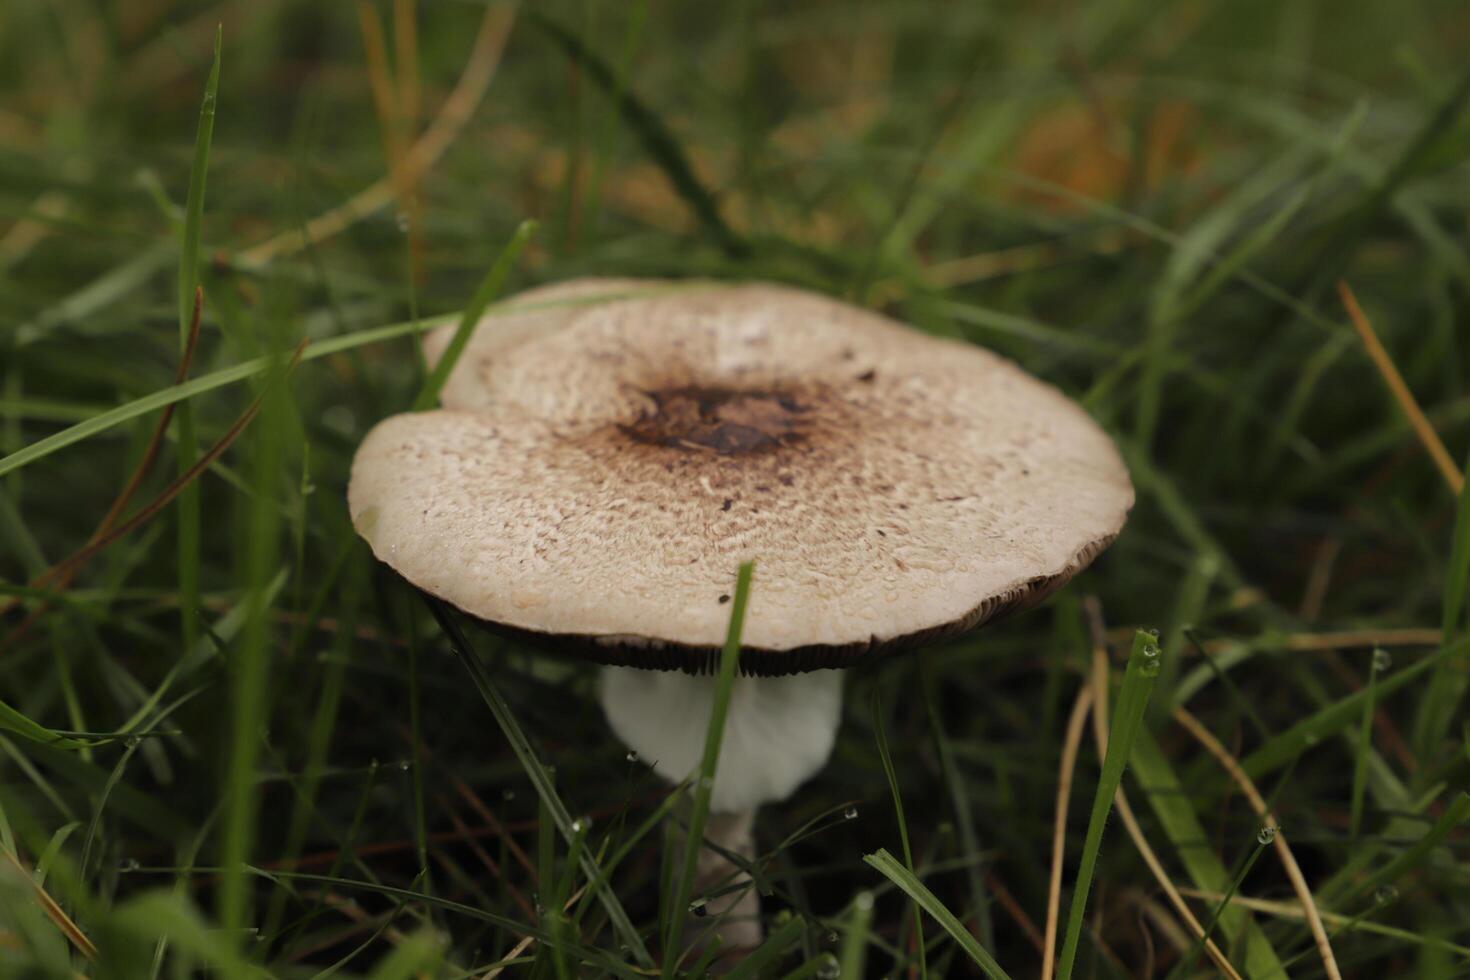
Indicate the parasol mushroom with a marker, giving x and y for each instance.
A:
(609, 451)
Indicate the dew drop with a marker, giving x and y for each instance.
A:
(863, 901)
(1267, 835)
(1385, 894)
(132, 741)
(1382, 660)
(403, 221)
(828, 968)
(405, 765)
(850, 813)
(131, 864)
(631, 756)
(832, 936)
(1149, 668)
(707, 782)
(507, 795)
(578, 826)
(697, 908)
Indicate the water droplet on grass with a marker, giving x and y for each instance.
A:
(697, 908)
(1382, 660)
(850, 813)
(1267, 835)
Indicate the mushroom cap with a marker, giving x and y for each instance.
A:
(609, 451)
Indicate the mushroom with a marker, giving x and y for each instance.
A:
(610, 450)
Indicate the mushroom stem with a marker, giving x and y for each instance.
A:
(726, 904)
(778, 732)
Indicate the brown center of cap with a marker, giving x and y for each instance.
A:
(720, 420)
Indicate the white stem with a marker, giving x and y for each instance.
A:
(778, 732)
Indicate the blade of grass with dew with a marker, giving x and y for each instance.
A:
(888, 866)
(1187, 610)
(1442, 695)
(705, 783)
(535, 771)
(1338, 891)
(1174, 810)
(486, 294)
(188, 450)
(1127, 720)
(1329, 721)
(1186, 961)
(886, 757)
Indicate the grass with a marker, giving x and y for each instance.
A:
(233, 744)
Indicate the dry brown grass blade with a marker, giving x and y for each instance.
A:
(489, 862)
(1125, 810)
(1313, 642)
(1007, 901)
(160, 428)
(1065, 771)
(54, 912)
(1227, 761)
(483, 811)
(59, 583)
(69, 566)
(453, 115)
(1400, 391)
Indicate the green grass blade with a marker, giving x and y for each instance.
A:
(1127, 720)
(1329, 721)
(766, 953)
(236, 373)
(259, 543)
(194, 204)
(1336, 894)
(1365, 747)
(881, 734)
(855, 936)
(705, 784)
(189, 516)
(1174, 809)
(536, 772)
(15, 722)
(890, 868)
(1444, 692)
(651, 132)
(957, 788)
(469, 320)
(416, 956)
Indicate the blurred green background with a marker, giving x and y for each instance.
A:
(1148, 204)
